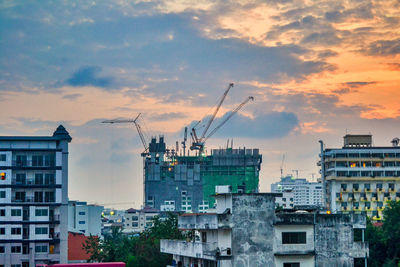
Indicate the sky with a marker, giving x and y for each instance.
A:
(316, 69)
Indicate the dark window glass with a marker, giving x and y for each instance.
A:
(291, 264)
(294, 238)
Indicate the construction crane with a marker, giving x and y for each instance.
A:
(198, 143)
(138, 128)
(283, 161)
(184, 142)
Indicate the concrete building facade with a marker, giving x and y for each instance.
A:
(34, 199)
(185, 183)
(246, 231)
(361, 177)
(297, 193)
(136, 221)
(84, 218)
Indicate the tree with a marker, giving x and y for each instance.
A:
(384, 240)
(137, 251)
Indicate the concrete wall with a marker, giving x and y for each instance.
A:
(253, 216)
(293, 248)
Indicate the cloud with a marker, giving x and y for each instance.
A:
(384, 48)
(168, 116)
(72, 96)
(357, 84)
(88, 76)
(266, 126)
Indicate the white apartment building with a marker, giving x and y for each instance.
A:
(84, 218)
(297, 193)
(34, 199)
(136, 221)
(361, 177)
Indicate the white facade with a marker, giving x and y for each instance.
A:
(361, 177)
(84, 218)
(136, 221)
(33, 199)
(297, 192)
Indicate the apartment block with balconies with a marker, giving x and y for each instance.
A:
(34, 199)
(361, 177)
(245, 230)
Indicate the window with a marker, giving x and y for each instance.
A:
(37, 160)
(135, 218)
(3, 157)
(16, 231)
(2, 249)
(135, 224)
(82, 213)
(38, 178)
(291, 264)
(82, 222)
(2, 212)
(2, 194)
(49, 178)
(15, 265)
(38, 196)
(2, 231)
(16, 212)
(16, 249)
(41, 212)
(41, 249)
(49, 196)
(41, 231)
(294, 238)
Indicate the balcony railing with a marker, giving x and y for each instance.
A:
(32, 182)
(30, 163)
(31, 200)
(200, 250)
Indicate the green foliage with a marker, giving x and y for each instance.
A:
(138, 251)
(384, 249)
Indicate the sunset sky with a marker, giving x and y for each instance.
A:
(317, 70)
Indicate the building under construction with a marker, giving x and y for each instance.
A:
(179, 182)
(186, 183)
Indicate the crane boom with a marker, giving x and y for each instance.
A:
(138, 128)
(233, 112)
(216, 111)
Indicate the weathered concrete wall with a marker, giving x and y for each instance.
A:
(253, 217)
(199, 222)
(305, 261)
(334, 240)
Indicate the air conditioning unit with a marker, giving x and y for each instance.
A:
(223, 189)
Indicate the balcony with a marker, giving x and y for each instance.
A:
(367, 208)
(200, 250)
(356, 208)
(32, 200)
(380, 208)
(356, 190)
(367, 190)
(32, 164)
(359, 250)
(363, 199)
(204, 221)
(32, 183)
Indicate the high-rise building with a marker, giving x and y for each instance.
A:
(361, 177)
(84, 218)
(185, 183)
(297, 192)
(34, 199)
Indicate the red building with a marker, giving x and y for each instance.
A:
(76, 253)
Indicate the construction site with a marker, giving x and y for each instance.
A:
(174, 180)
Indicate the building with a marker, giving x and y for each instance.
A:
(111, 218)
(361, 177)
(297, 193)
(136, 221)
(34, 199)
(76, 253)
(84, 218)
(246, 231)
(185, 183)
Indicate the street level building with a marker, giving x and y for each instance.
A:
(176, 182)
(246, 231)
(360, 176)
(136, 221)
(84, 218)
(297, 192)
(34, 199)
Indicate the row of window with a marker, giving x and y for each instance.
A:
(363, 155)
(17, 230)
(17, 249)
(39, 179)
(18, 212)
(365, 173)
(367, 186)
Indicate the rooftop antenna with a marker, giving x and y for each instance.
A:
(283, 160)
(184, 142)
(232, 143)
